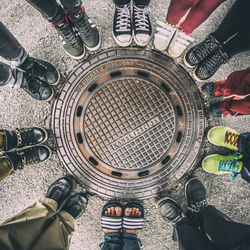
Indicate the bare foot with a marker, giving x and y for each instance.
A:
(132, 212)
(112, 212)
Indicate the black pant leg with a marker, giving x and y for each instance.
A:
(49, 9)
(121, 2)
(71, 6)
(244, 143)
(142, 2)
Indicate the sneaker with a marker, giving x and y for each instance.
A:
(223, 137)
(141, 25)
(23, 137)
(210, 65)
(164, 34)
(71, 42)
(199, 52)
(87, 29)
(60, 190)
(214, 110)
(220, 164)
(22, 158)
(41, 69)
(195, 194)
(76, 204)
(208, 89)
(169, 210)
(122, 28)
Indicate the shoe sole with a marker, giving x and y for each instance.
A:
(76, 57)
(196, 78)
(186, 63)
(163, 199)
(141, 44)
(58, 80)
(46, 135)
(123, 44)
(50, 153)
(51, 97)
(96, 47)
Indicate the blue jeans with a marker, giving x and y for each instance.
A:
(121, 241)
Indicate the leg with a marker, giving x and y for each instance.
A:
(121, 2)
(112, 241)
(245, 172)
(142, 2)
(244, 144)
(5, 168)
(71, 6)
(131, 242)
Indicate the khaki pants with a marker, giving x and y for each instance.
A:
(38, 227)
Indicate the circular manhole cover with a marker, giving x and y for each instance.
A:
(128, 123)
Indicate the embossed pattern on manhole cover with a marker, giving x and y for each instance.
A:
(129, 123)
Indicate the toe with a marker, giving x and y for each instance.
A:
(106, 213)
(128, 211)
(112, 211)
(118, 211)
(133, 211)
(109, 211)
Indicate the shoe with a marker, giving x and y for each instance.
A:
(87, 29)
(195, 194)
(179, 43)
(208, 89)
(199, 52)
(210, 65)
(71, 42)
(164, 34)
(43, 70)
(22, 158)
(141, 25)
(169, 210)
(220, 164)
(23, 137)
(76, 204)
(60, 190)
(122, 28)
(214, 110)
(223, 137)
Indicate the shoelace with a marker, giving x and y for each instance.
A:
(229, 166)
(123, 18)
(198, 205)
(231, 138)
(214, 62)
(34, 83)
(84, 26)
(141, 18)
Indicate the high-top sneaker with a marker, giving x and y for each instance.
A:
(87, 29)
(23, 137)
(22, 158)
(141, 25)
(122, 27)
(41, 69)
(71, 42)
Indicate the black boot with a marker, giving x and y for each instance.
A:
(25, 157)
(23, 137)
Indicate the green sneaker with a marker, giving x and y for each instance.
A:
(223, 164)
(224, 137)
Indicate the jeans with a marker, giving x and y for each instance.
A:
(137, 2)
(121, 241)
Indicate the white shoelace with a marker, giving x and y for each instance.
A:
(141, 20)
(123, 18)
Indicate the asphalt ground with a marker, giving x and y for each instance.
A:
(17, 109)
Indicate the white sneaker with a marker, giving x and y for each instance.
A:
(179, 43)
(163, 35)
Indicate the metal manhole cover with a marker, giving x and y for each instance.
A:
(128, 123)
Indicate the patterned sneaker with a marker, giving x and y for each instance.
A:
(223, 137)
(164, 34)
(141, 25)
(220, 164)
(122, 28)
(87, 29)
(199, 52)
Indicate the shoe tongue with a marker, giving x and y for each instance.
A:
(76, 15)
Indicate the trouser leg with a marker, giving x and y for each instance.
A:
(142, 2)
(5, 168)
(71, 6)
(10, 48)
(121, 2)
(112, 241)
(244, 143)
(131, 242)
(245, 172)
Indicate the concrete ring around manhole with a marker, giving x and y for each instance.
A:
(128, 123)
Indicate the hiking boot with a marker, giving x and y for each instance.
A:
(179, 43)
(71, 42)
(164, 34)
(195, 194)
(210, 65)
(208, 89)
(199, 52)
(141, 25)
(169, 210)
(60, 190)
(25, 157)
(220, 164)
(122, 28)
(223, 137)
(23, 137)
(76, 204)
(43, 70)
(87, 29)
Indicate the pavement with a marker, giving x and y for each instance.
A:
(17, 109)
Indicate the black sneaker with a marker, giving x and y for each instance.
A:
(25, 157)
(76, 204)
(214, 110)
(60, 190)
(210, 65)
(41, 69)
(208, 89)
(122, 27)
(23, 137)
(200, 51)
(71, 42)
(87, 29)
(169, 210)
(141, 25)
(196, 194)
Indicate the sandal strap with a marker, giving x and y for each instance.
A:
(133, 223)
(112, 223)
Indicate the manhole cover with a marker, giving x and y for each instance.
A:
(128, 123)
